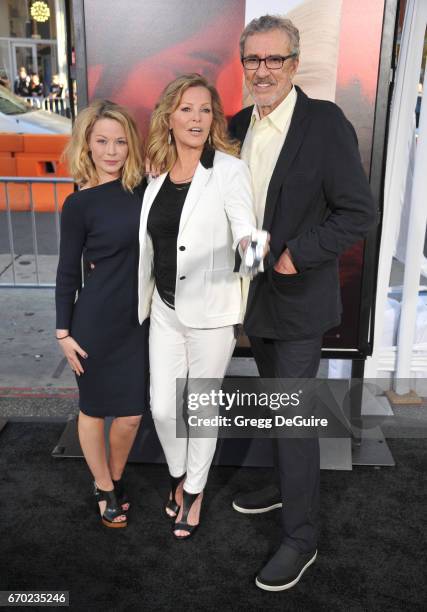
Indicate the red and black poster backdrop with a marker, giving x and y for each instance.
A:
(133, 49)
(356, 90)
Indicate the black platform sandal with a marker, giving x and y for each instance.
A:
(112, 509)
(172, 504)
(188, 501)
(122, 497)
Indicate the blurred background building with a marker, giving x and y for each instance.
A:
(33, 35)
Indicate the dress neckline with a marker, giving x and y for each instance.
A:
(101, 185)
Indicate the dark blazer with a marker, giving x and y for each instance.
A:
(318, 204)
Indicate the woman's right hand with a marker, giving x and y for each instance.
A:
(71, 350)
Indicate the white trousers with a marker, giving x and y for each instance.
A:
(177, 351)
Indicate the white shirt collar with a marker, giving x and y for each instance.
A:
(279, 117)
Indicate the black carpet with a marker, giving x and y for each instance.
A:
(372, 551)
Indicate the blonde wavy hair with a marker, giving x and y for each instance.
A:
(163, 155)
(77, 153)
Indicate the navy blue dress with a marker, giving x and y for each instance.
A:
(102, 223)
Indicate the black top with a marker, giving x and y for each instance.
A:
(37, 90)
(22, 86)
(163, 227)
(56, 89)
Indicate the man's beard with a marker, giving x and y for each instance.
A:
(262, 100)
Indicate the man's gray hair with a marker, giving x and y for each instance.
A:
(266, 23)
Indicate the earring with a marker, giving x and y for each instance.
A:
(170, 137)
(210, 139)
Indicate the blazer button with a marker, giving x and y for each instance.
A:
(182, 278)
(182, 248)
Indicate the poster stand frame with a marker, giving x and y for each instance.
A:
(364, 452)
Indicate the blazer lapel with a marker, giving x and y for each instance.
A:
(242, 125)
(294, 138)
(200, 178)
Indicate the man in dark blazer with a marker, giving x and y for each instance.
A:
(312, 196)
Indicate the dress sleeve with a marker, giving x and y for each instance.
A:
(68, 276)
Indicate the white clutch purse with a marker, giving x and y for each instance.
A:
(253, 256)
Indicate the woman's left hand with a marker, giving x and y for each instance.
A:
(246, 240)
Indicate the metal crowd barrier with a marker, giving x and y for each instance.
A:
(60, 106)
(30, 181)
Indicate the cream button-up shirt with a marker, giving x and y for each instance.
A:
(262, 145)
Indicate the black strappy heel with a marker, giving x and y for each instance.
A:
(112, 509)
(188, 501)
(122, 497)
(172, 504)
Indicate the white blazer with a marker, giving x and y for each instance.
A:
(217, 214)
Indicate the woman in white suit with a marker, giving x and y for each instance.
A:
(194, 216)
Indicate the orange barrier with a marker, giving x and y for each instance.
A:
(18, 197)
(40, 164)
(43, 196)
(45, 143)
(35, 155)
(10, 142)
(7, 164)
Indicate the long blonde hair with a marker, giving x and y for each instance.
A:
(163, 155)
(77, 153)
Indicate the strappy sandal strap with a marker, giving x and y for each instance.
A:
(172, 505)
(188, 501)
(175, 481)
(122, 496)
(183, 525)
(112, 508)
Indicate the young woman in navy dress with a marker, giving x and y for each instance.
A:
(99, 332)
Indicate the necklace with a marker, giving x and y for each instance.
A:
(182, 180)
(181, 186)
